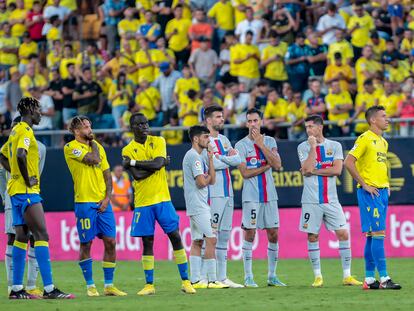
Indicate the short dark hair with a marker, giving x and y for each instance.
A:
(197, 130)
(76, 122)
(135, 116)
(208, 112)
(315, 118)
(254, 110)
(369, 82)
(372, 111)
(27, 105)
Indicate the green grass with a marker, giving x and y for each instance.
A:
(299, 295)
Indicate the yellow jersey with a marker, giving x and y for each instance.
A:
(186, 8)
(223, 13)
(159, 57)
(25, 50)
(335, 100)
(18, 29)
(149, 100)
(27, 82)
(390, 103)
(53, 34)
(343, 47)
(122, 100)
(180, 40)
(332, 70)
(276, 110)
(378, 49)
(370, 150)
(187, 106)
(183, 85)
(8, 58)
(399, 74)
(360, 36)
(234, 68)
(172, 137)
(89, 182)
(363, 65)
(249, 68)
(406, 46)
(369, 100)
(153, 189)
(239, 15)
(125, 27)
(53, 59)
(147, 73)
(126, 60)
(63, 69)
(22, 136)
(276, 70)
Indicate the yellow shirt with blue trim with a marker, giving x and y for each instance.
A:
(22, 136)
(153, 189)
(370, 150)
(89, 182)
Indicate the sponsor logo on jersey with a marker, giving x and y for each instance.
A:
(26, 141)
(77, 153)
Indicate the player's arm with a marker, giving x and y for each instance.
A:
(4, 161)
(249, 173)
(93, 157)
(108, 192)
(271, 155)
(21, 155)
(204, 180)
(308, 165)
(334, 170)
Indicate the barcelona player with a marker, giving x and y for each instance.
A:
(367, 163)
(145, 158)
(92, 179)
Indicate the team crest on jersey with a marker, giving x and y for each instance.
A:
(77, 153)
(253, 222)
(26, 142)
(305, 226)
(329, 152)
(253, 161)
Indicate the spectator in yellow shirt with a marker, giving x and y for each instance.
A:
(27, 48)
(144, 63)
(55, 55)
(17, 19)
(276, 110)
(239, 10)
(190, 108)
(339, 71)
(223, 15)
(366, 67)
(390, 99)
(247, 58)
(9, 47)
(184, 84)
(68, 58)
(378, 45)
(148, 100)
(359, 27)
(340, 46)
(120, 95)
(176, 33)
(127, 29)
(162, 55)
(89, 58)
(339, 104)
(296, 115)
(32, 80)
(172, 137)
(364, 100)
(272, 60)
(407, 43)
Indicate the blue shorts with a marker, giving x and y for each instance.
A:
(19, 204)
(91, 223)
(396, 10)
(373, 211)
(143, 222)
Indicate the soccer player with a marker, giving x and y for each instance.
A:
(22, 161)
(32, 266)
(367, 164)
(259, 156)
(221, 192)
(91, 174)
(145, 158)
(321, 161)
(198, 176)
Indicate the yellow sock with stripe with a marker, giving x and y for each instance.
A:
(180, 258)
(148, 266)
(43, 260)
(108, 268)
(19, 261)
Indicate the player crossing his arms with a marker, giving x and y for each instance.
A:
(367, 164)
(22, 161)
(198, 176)
(321, 161)
(32, 266)
(145, 158)
(221, 192)
(91, 174)
(259, 156)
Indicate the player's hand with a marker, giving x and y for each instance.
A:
(312, 141)
(210, 151)
(167, 160)
(126, 162)
(33, 181)
(372, 190)
(258, 138)
(103, 205)
(233, 152)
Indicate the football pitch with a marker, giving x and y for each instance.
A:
(298, 295)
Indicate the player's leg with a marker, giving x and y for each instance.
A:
(35, 219)
(106, 228)
(8, 261)
(195, 258)
(250, 210)
(268, 219)
(32, 270)
(310, 222)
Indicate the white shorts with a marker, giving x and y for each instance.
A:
(260, 215)
(8, 222)
(331, 214)
(222, 213)
(200, 226)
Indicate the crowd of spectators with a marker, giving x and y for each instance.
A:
(170, 59)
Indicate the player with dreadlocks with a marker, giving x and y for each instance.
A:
(92, 180)
(20, 156)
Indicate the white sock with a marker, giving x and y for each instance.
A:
(49, 288)
(247, 259)
(195, 268)
(107, 285)
(315, 257)
(369, 280)
(17, 288)
(92, 285)
(8, 261)
(384, 279)
(203, 269)
(272, 257)
(221, 254)
(211, 269)
(346, 257)
(32, 269)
